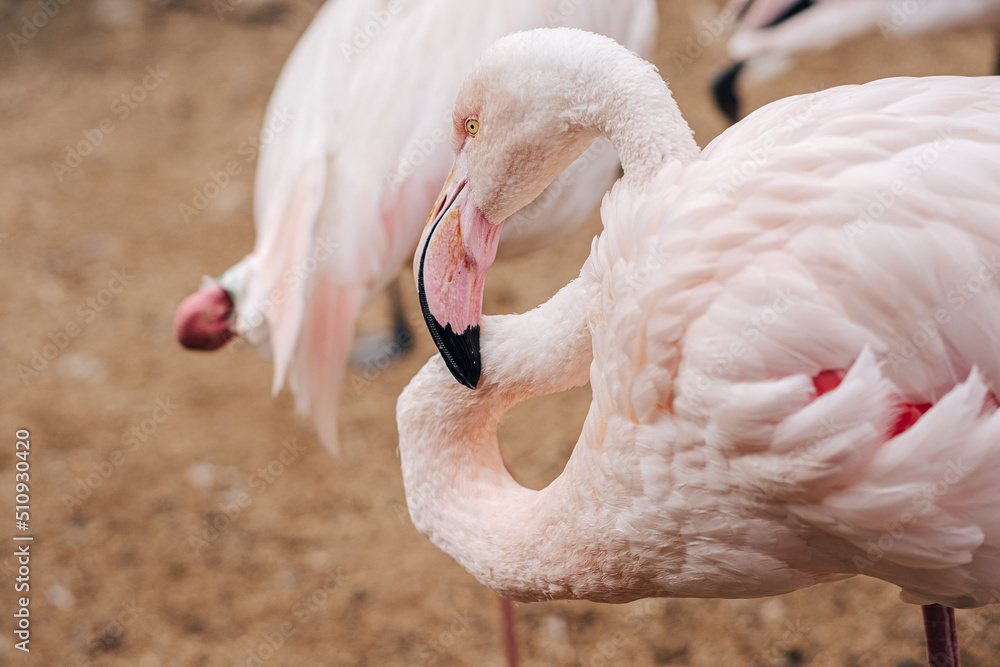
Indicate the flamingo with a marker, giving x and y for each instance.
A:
(770, 32)
(353, 149)
(792, 339)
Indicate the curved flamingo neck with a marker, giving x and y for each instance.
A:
(632, 106)
(519, 542)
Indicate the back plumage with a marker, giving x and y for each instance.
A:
(810, 315)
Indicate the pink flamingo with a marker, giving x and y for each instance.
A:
(792, 339)
(770, 32)
(363, 104)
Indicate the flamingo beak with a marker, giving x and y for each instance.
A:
(724, 92)
(457, 247)
(202, 320)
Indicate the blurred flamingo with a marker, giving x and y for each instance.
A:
(354, 148)
(770, 32)
(792, 340)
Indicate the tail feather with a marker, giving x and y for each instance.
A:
(317, 367)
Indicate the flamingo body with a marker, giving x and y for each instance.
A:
(770, 33)
(359, 151)
(790, 384)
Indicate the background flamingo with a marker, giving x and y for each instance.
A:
(793, 366)
(769, 33)
(358, 148)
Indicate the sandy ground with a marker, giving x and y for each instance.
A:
(220, 532)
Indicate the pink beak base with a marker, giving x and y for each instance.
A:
(457, 247)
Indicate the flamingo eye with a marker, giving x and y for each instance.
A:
(472, 126)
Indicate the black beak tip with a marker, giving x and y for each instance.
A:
(724, 92)
(459, 351)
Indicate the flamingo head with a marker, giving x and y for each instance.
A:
(515, 129)
(202, 321)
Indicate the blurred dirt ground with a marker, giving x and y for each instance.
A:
(184, 517)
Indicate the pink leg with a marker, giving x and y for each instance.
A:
(942, 636)
(508, 613)
(508, 626)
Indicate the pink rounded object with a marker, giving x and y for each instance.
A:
(202, 319)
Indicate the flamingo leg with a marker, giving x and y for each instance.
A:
(942, 636)
(508, 626)
(996, 65)
(378, 351)
(508, 614)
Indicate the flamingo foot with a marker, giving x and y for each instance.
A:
(942, 636)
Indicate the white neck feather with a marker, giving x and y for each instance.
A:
(628, 102)
(526, 544)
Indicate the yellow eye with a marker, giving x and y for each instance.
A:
(472, 126)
